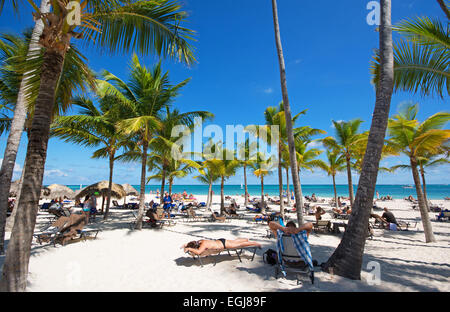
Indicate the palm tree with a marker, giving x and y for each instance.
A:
(164, 143)
(335, 163)
(94, 127)
(347, 137)
(245, 152)
(223, 167)
(17, 124)
(421, 58)
(147, 26)
(346, 260)
(144, 98)
(288, 115)
(207, 176)
(263, 167)
(415, 139)
(16, 63)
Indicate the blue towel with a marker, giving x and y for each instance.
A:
(301, 245)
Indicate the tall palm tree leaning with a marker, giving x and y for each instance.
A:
(148, 27)
(288, 116)
(347, 259)
(16, 64)
(416, 139)
(18, 123)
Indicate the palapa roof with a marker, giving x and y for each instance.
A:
(129, 189)
(56, 191)
(117, 191)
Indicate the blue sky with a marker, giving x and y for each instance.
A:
(328, 46)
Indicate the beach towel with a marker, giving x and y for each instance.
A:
(301, 245)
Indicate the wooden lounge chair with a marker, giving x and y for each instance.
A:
(192, 217)
(217, 218)
(405, 226)
(148, 222)
(66, 229)
(322, 226)
(217, 252)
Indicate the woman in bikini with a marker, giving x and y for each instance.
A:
(198, 247)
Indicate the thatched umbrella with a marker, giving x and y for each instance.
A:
(58, 190)
(129, 190)
(101, 187)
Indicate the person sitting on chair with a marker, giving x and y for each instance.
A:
(290, 228)
(387, 220)
(319, 212)
(198, 247)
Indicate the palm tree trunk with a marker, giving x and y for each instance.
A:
(12, 217)
(422, 173)
(347, 259)
(427, 228)
(246, 188)
(299, 211)
(17, 126)
(209, 199)
(280, 181)
(103, 204)
(444, 8)
(288, 116)
(163, 182)
(142, 191)
(335, 193)
(350, 181)
(111, 170)
(170, 186)
(15, 268)
(288, 191)
(263, 203)
(222, 196)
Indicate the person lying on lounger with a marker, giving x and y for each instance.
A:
(290, 228)
(198, 247)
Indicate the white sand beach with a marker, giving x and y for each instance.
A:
(121, 259)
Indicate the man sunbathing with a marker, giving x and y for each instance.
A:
(199, 247)
(290, 228)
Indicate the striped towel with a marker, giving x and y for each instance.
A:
(301, 245)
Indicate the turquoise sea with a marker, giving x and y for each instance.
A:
(434, 191)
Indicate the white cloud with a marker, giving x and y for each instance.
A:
(268, 90)
(54, 173)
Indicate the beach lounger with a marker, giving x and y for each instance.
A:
(216, 218)
(158, 222)
(294, 256)
(217, 252)
(323, 226)
(66, 229)
(443, 215)
(342, 216)
(192, 217)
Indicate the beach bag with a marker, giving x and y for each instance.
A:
(270, 257)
